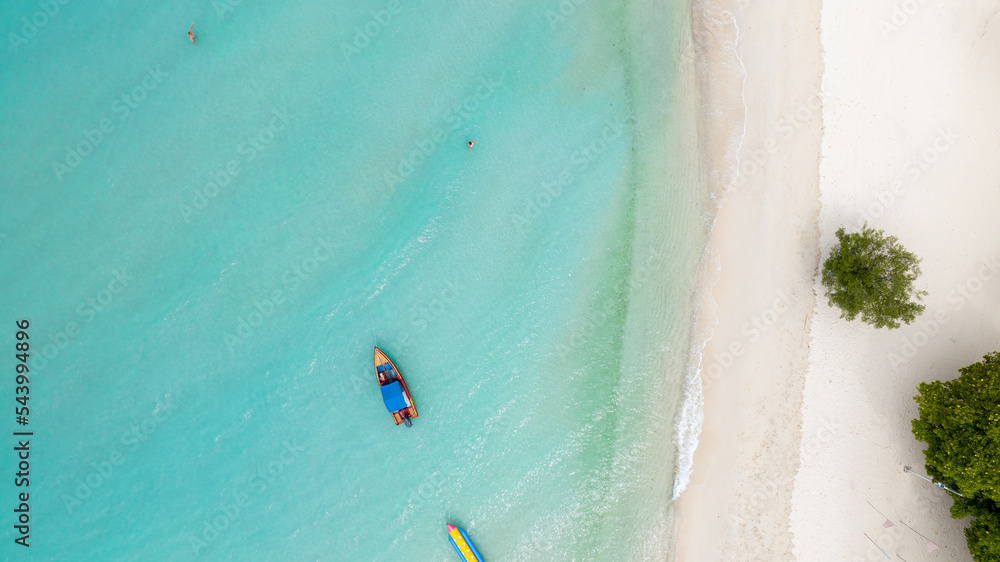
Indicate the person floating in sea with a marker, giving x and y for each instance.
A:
(470, 145)
(191, 35)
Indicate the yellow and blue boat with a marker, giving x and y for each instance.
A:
(463, 544)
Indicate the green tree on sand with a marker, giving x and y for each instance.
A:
(960, 422)
(871, 274)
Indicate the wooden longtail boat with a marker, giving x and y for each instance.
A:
(395, 395)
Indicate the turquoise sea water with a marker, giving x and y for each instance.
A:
(205, 238)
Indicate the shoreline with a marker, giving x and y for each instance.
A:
(764, 180)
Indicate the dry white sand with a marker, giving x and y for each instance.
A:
(807, 416)
(911, 146)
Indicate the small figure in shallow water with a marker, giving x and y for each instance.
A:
(191, 35)
(470, 145)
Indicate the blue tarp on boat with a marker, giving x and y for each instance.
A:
(392, 395)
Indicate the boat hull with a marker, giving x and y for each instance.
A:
(463, 545)
(381, 360)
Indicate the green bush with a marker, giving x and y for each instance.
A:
(960, 422)
(871, 274)
(983, 537)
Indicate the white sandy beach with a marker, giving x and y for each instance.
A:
(807, 416)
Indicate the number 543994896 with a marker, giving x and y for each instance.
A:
(22, 390)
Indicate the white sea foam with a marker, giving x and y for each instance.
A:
(690, 417)
(397, 261)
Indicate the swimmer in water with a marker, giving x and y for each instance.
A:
(470, 145)
(191, 35)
